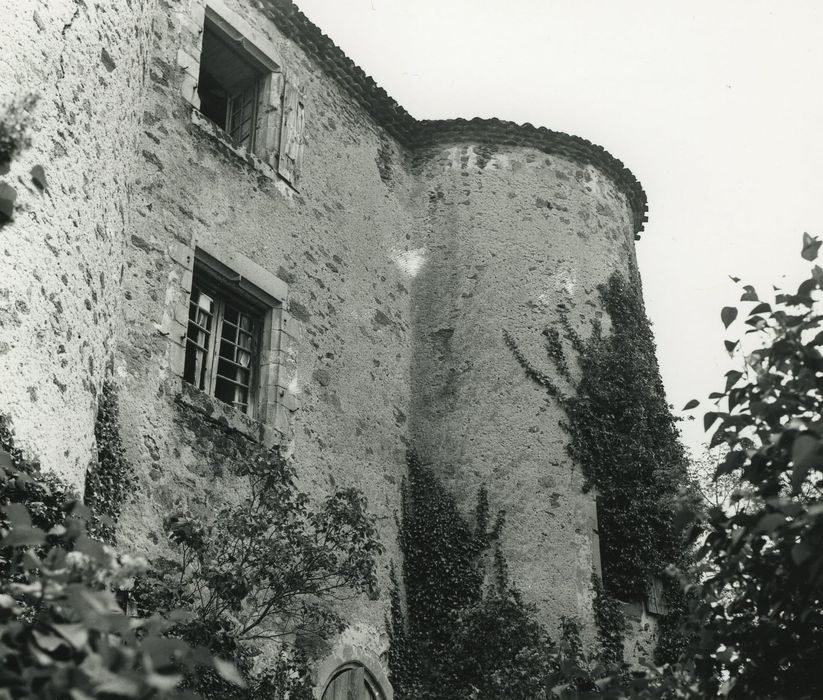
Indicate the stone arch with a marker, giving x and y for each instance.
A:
(355, 668)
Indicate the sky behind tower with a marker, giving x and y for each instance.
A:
(716, 107)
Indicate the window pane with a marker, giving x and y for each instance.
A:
(198, 336)
(243, 115)
(234, 367)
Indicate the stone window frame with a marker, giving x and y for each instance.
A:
(275, 400)
(280, 113)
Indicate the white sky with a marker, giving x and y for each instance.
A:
(715, 106)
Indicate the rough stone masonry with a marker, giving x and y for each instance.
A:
(393, 253)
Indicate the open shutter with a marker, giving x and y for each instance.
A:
(655, 602)
(270, 119)
(291, 141)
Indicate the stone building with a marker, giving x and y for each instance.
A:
(220, 169)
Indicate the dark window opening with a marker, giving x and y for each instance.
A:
(229, 85)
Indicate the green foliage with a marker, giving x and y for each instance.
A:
(626, 442)
(760, 609)
(498, 650)
(611, 626)
(45, 497)
(457, 639)
(625, 439)
(264, 569)
(62, 633)
(441, 571)
(13, 127)
(111, 478)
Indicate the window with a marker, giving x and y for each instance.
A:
(222, 346)
(241, 90)
(230, 85)
(233, 329)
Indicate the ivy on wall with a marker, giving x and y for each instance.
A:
(459, 637)
(46, 498)
(611, 625)
(625, 440)
(110, 479)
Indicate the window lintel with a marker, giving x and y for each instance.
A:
(235, 269)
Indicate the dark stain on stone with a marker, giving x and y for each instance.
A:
(380, 319)
(322, 376)
(142, 243)
(442, 340)
(399, 416)
(285, 275)
(153, 159)
(299, 311)
(107, 60)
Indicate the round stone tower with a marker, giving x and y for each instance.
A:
(518, 228)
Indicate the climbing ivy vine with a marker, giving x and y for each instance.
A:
(625, 440)
(459, 636)
(110, 479)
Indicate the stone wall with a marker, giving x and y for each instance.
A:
(510, 235)
(61, 260)
(333, 241)
(401, 266)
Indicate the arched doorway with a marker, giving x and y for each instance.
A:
(352, 682)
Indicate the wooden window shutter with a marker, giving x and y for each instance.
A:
(291, 141)
(655, 602)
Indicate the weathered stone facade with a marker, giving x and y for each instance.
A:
(396, 261)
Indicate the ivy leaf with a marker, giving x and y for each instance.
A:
(690, 405)
(811, 245)
(23, 536)
(749, 294)
(8, 195)
(17, 514)
(75, 634)
(38, 177)
(48, 642)
(727, 315)
(734, 279)
(709, 419)
(762, 308)
(731, 345)
(805, 454)
(732, 378)
(769, 523)
(801, 552)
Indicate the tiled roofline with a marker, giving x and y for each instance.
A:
(414, 133)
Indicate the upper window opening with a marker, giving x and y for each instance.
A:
(230, 85)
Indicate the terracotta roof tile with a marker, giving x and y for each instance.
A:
(414, 133)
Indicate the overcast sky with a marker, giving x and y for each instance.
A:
(715, 106)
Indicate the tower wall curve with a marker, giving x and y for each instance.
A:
(512, 238)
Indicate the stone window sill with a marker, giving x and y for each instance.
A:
(249, 159)
(228, 417)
